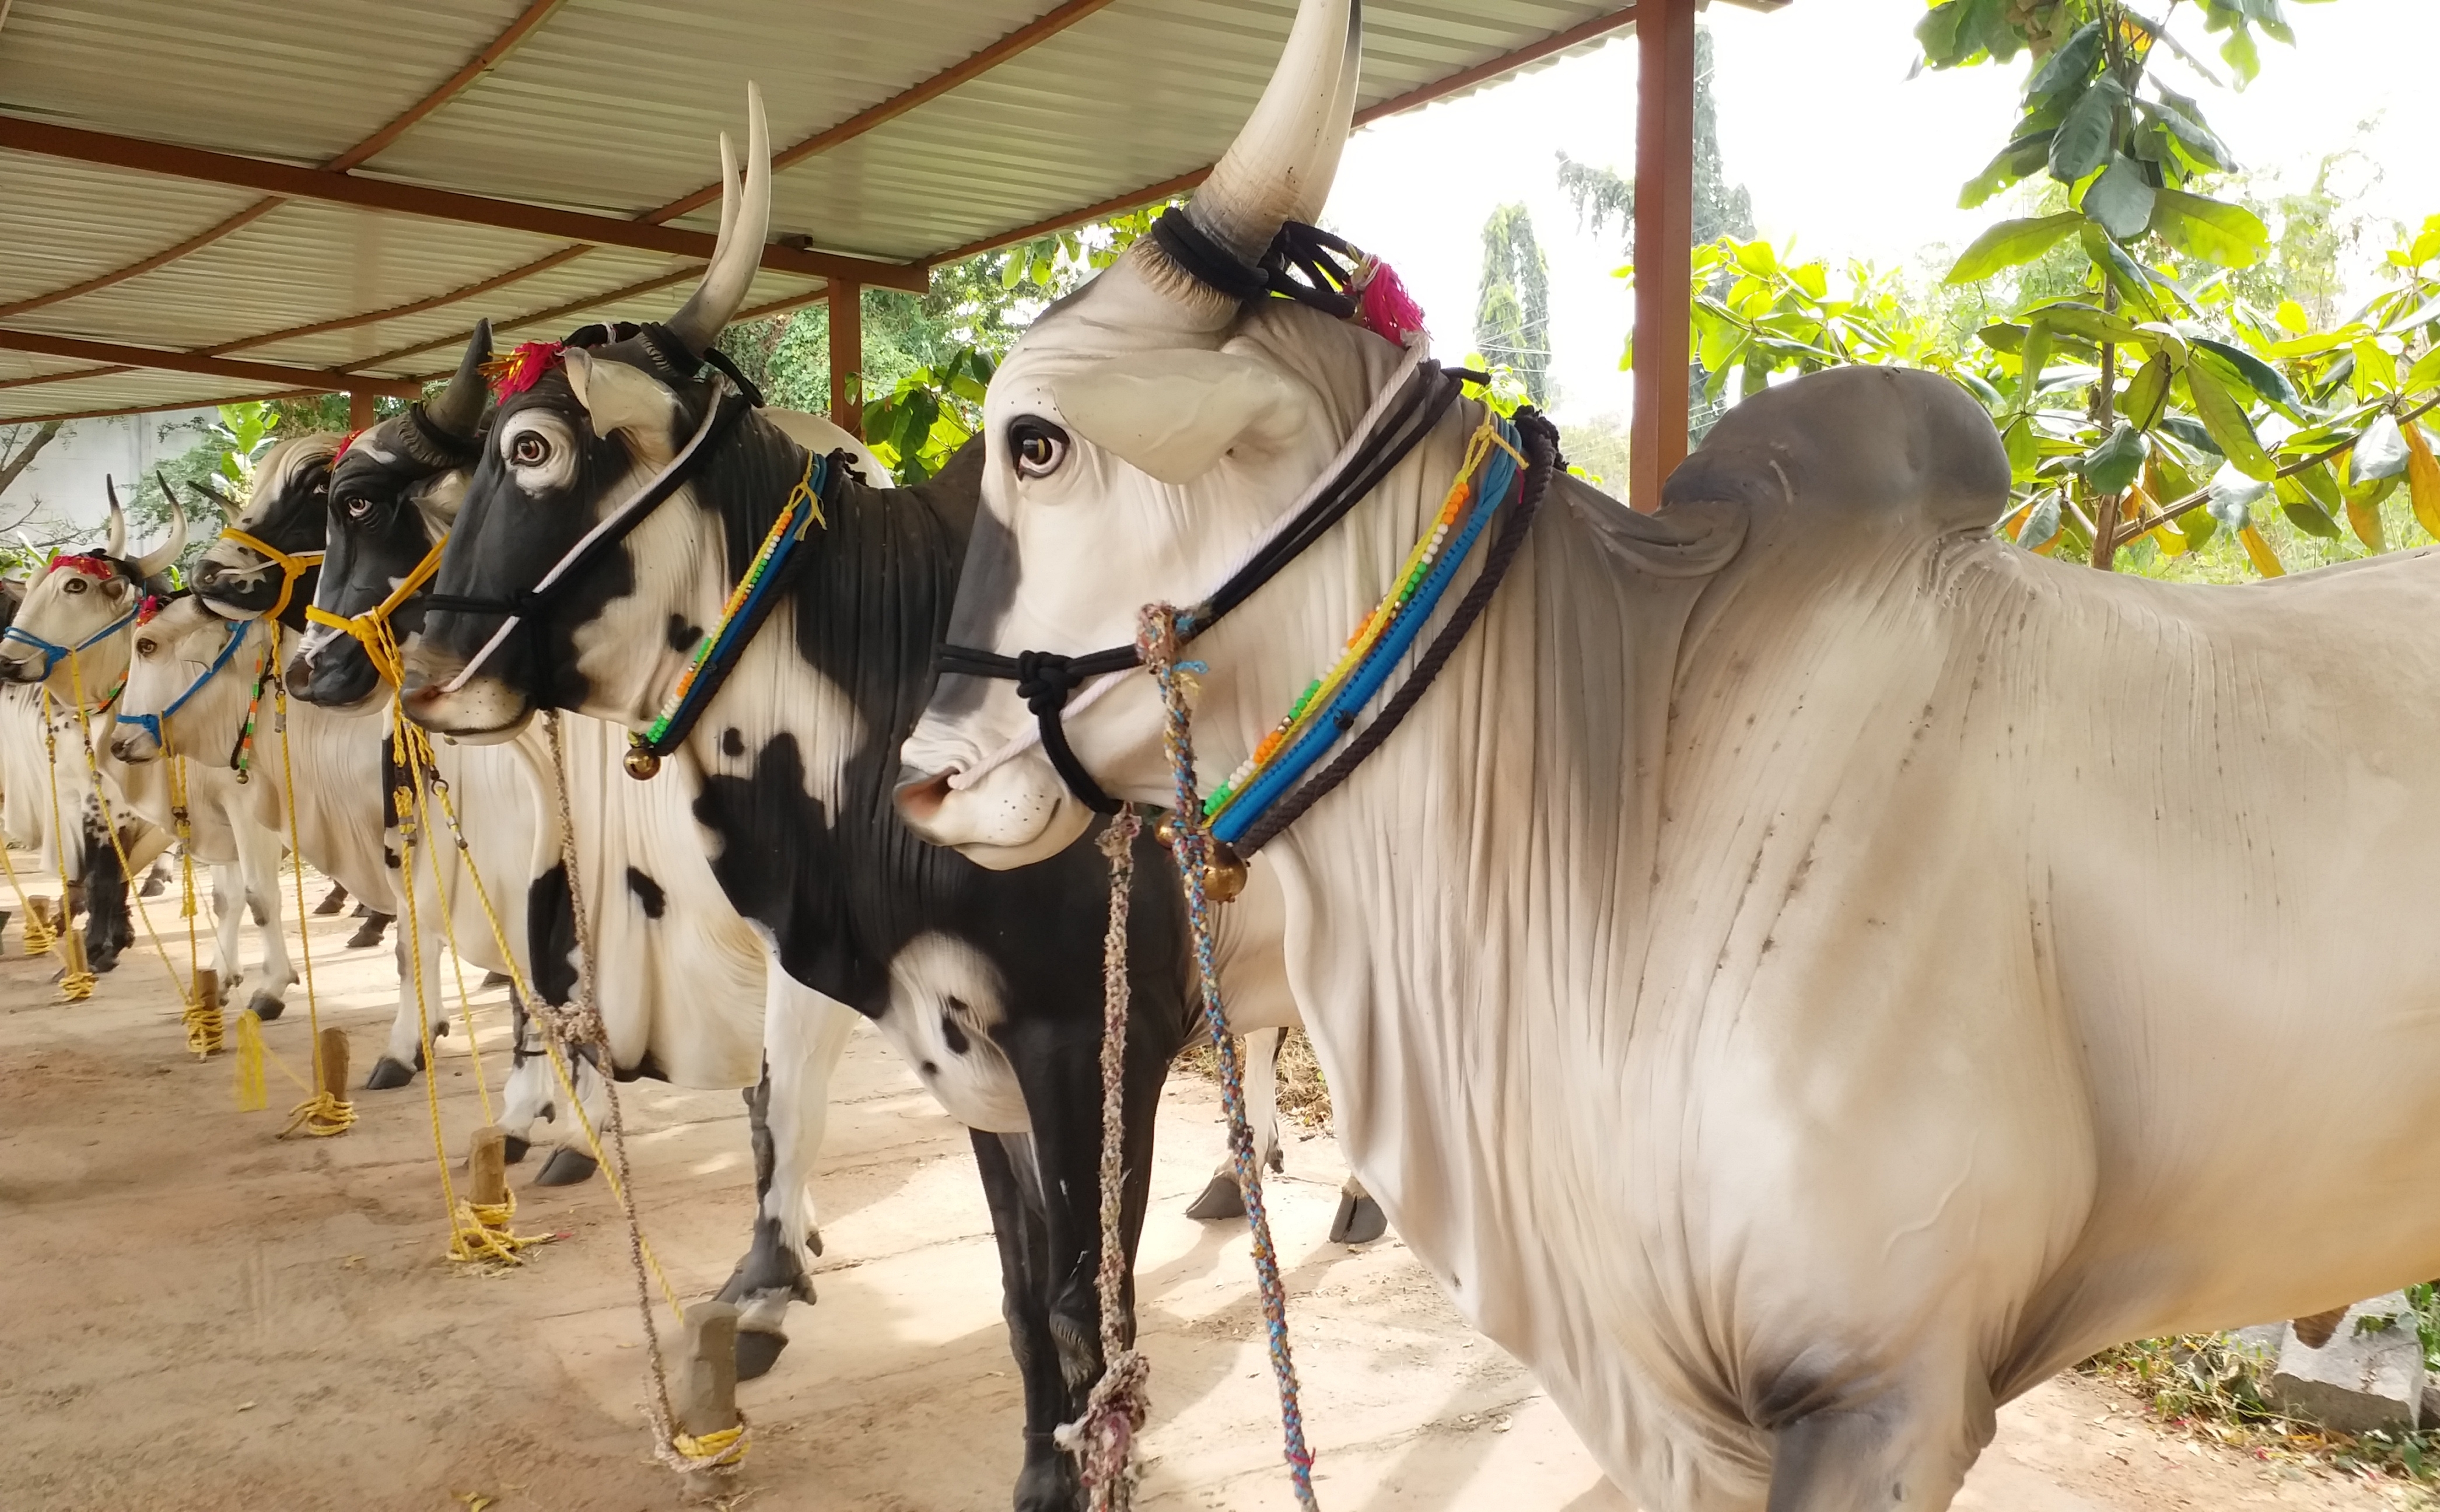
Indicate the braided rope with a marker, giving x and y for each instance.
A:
(76, 983)
(1102, 1437)
(322, 1115)
(682, 1453)
(1191, 843)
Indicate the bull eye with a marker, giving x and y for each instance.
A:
(74, 584)
(147, 646)
(359, 507)
(529, 449)
(1039, 447)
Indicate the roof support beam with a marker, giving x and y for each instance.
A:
(319, 380)
(289, 181)
(1481, 73)
(1665, 246)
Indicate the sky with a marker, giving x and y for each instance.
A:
(1843, 154)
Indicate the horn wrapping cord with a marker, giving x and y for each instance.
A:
(726, 406)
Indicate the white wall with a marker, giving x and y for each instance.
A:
(63, 487)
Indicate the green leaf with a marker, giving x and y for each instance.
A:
(2376, 374)
(2304, 511)
(2319, 483)
(2426, 374)
(2070, 67)
(2002, 338)
(2245, 367)
(2090, 130)
(2196, 139)
(2228, 236)
(1938, 33)
(2112, 466)
(2041, 522)
(2034, 357)
(2023, 449)
(2020, 159)
(2148, 393)
(2380, 453)
(2013, 244)
(2120, 199)
(2133, 283)
(2073, 317)
(2231, 431)
(2242, 56)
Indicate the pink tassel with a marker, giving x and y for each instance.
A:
(1389, 311)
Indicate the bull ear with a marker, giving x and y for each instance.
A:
(1174, 413)
(623, 399)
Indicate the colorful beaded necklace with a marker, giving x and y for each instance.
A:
(1327, 708)
(748, 603)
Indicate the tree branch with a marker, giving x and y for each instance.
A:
(2198, 499)
(15, 465)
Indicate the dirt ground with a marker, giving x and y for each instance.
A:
(196, 1315)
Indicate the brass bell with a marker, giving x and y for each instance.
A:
(642, 764)
(1224, 869)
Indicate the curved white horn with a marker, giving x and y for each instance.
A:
(742, 230)
(118, 518)
(154, 563)
(1280, 167)
(458, 409)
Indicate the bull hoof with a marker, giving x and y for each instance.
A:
(265, 1007)
(1220, 1200)
(1048, 1486)
(154, 885)
(757, 1352)
(388, 1073)
(566, 1167)
(1360, 1220)
(515, 1147)
(369, 932)
(332, 902)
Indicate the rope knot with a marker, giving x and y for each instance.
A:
(1043, 680)
(1102, 1437)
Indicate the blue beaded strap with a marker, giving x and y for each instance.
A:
(1282, 774)
(53, 652)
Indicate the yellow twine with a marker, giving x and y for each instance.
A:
(724, 1448)
(76, 983)
(37, 933)
(110, 825)
(322, 1114)
(481, 1234)
(253, 1096)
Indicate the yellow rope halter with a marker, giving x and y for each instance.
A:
(372, 628)
(292, 564)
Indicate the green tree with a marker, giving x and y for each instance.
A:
(1512, 308)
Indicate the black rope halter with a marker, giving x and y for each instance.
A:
(1311, 267)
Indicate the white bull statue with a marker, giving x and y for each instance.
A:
(1806, 970)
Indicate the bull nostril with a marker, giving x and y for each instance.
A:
(921, 797)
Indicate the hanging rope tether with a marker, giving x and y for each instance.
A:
(685, 1454)
(1191, 843)
(1104, 1437)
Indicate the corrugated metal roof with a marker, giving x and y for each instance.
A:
(610, 107)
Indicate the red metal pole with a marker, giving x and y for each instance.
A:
(1664, 235)
(360, 408)
(847, 356)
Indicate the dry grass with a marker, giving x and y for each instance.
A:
(1304, 1095)
(2209, 1387)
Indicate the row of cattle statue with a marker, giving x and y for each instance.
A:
(1743, 980)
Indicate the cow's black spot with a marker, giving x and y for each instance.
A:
(683, 634)
(732, 742)
(648, 893)
(930, 1069)
(550, 933)
(951, 1029)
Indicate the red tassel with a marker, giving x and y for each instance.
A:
(1389, 311)
(522, 368)
(344, 442)
(92, 566)
(153, 603)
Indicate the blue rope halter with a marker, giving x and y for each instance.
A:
(53, 652)
(150, 724)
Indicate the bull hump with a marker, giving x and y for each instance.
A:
(1893, 444)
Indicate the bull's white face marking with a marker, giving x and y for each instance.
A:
(541, 451)
(945, 998)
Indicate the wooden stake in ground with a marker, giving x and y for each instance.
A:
(330, 1064)
(487, 1166)
(702, 1392)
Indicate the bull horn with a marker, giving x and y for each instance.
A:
(157, 561)
(743, 228)
(1280, 167)
(458, 409)
(118, 518)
